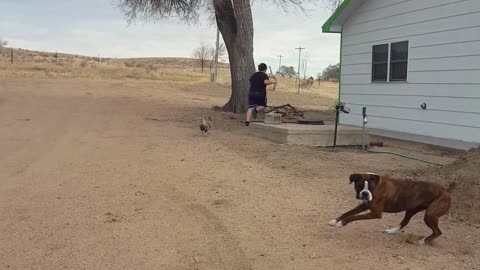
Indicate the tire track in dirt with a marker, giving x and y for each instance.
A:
(226, 252)
(230, 253)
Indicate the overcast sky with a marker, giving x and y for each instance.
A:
(98, 27)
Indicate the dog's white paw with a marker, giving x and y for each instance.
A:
(339, 224)
(332, 222)
(394, 230)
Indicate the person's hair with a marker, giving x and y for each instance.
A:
(262, 67)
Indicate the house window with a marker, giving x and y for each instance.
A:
(390, 62)
(380, 63)
(398, 61)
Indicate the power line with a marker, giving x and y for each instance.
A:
(298, 71)
(280, 63)
(215, 70)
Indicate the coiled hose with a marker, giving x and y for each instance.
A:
(404, 156)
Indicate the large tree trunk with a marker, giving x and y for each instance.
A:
(236, 25)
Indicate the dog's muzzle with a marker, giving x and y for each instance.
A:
(365, 194)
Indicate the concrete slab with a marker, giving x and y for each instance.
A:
(312, 135)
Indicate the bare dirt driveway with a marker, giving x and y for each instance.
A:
(115, 175)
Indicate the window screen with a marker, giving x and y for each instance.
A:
(380, 63)
(399, 61)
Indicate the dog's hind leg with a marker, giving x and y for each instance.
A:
(357, 210)
(432, 223)
(408, 215)
(435, 210)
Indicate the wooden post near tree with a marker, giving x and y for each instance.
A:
(11, 56)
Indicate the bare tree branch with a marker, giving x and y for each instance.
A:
(332, 5)
(202, 54)
(186, 10)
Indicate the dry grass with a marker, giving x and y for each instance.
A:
(325, 89)
(33, 64)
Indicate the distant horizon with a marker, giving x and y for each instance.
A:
(126, 58)
(97, 27)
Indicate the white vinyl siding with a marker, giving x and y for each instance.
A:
(443, 67)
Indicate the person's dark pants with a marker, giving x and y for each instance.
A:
(256, 99)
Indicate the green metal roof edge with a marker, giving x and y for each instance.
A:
(328, 24)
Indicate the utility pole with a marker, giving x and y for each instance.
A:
(280, 62)
(214, 79)
(298, 71)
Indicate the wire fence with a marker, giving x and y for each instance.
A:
(20, 56)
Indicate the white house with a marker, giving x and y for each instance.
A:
(415, 65)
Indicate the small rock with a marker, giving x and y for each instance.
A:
(313, 256)
(112, 220)
(139, 193)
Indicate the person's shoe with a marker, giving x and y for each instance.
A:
(247, 123)
(254, 113)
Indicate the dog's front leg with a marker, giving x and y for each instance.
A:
(357, 210)
(371, 215)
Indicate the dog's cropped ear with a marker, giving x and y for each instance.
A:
(355, 178)
(374, 180)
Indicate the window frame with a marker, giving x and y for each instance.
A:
(374, 63)
(390, 62)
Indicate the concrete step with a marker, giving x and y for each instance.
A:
(312, 135)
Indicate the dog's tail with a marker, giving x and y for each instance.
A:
(451, 186)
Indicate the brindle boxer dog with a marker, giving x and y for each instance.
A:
(383, 194)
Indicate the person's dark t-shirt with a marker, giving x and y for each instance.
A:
(257, 83)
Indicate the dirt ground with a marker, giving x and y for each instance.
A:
(115, 175)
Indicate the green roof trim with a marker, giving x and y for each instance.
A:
(328, 24)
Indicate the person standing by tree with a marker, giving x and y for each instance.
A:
(257, 97)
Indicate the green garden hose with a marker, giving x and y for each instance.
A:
(404, 156)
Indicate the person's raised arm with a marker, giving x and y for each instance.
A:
(269, 81)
